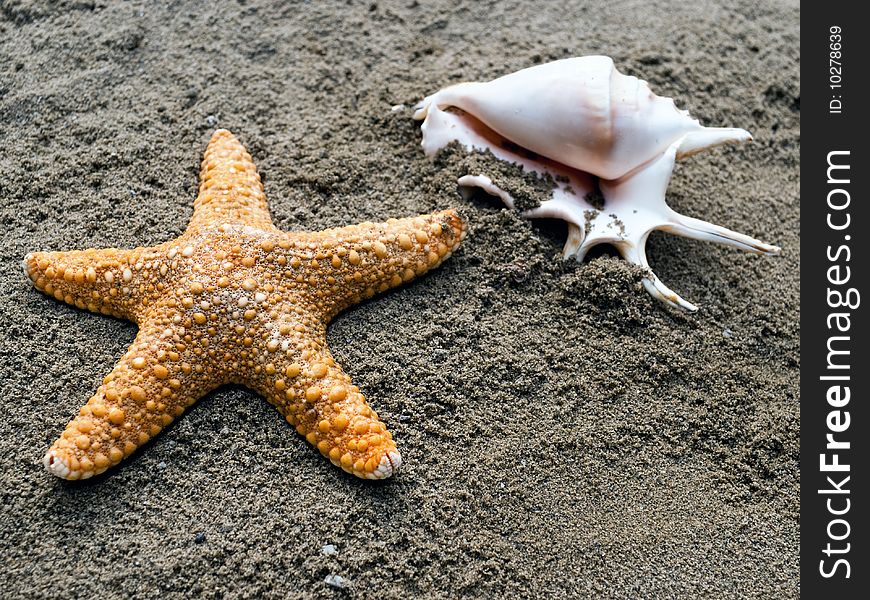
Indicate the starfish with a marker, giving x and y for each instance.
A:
(236, 300)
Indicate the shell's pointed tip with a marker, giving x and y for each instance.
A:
(765, 249)
(710, 137)
(676, 301)
(663, 293)
(679, 302)
(421, 108)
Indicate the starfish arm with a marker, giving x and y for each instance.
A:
(152, 384)
(230, 190)
(235, 300)
(317, 397)
(349, 264)
(107, 281)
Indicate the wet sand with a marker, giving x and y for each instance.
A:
(563, 433)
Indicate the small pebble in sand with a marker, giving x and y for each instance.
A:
(329, 550)
(728, 333)
(211, 120)
(161, 465)
(336, 581)
(200, 538)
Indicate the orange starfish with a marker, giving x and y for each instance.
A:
(236, 300)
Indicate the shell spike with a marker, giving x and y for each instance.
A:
(468, 182)
(636, 254)
(663, 293)
(697, 229)
(574, 244)
(710, 137)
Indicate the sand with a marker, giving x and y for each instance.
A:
(564, 435)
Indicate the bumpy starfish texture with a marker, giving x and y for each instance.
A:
(236, 300)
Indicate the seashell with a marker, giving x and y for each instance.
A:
(581, 121)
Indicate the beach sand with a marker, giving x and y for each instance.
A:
(564, 435)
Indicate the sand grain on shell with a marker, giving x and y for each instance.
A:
(562, 433)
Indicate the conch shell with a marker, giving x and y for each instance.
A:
(578, 120)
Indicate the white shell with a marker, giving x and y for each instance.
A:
(575, 119)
